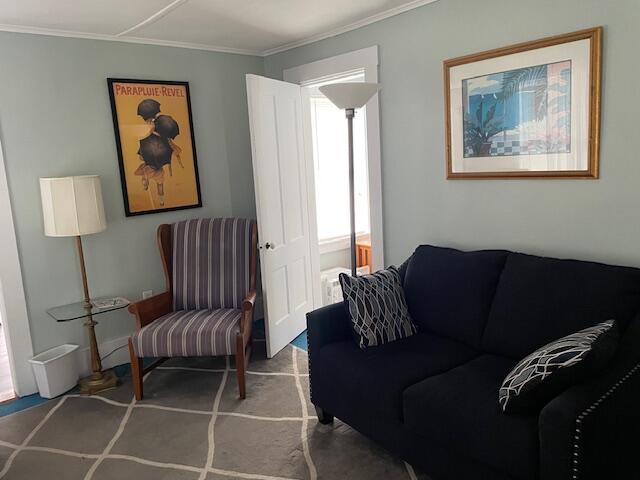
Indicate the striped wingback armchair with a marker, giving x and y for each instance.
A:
(207, 310)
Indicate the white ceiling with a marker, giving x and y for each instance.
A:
(253, 27)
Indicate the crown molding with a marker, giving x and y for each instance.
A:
(124, 38)
(347, 28)
(114, 38)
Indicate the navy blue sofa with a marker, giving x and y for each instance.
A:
(432, 398)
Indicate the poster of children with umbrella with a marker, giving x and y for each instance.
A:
(156, 148)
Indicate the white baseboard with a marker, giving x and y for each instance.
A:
(118, 357)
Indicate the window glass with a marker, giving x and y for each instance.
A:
(331, 165)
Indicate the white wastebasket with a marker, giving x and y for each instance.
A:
(56, 370)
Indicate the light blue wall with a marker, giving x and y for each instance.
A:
(55, 120)
(586, 219)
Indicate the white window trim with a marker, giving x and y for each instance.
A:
(365, 59)
(340, 243)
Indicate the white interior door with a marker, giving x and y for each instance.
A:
(280, 177)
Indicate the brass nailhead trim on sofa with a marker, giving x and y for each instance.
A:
(589, 410)
(309, 366)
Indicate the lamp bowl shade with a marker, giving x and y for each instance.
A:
(350, 95)
(72, 206)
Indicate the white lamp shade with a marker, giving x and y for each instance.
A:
(72, 206)
(350, 95)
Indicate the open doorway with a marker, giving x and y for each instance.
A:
(331, 185)
(327, 156)
(291, 233)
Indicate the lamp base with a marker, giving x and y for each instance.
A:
(93, 383)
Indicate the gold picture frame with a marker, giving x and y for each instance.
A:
(542, 97)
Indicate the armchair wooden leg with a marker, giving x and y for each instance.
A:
(136, 372)
(241, 369)
(243, 354)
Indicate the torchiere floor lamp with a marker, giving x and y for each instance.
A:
(348, 97)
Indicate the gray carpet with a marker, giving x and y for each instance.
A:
(192, 426)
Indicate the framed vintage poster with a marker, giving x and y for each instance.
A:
(528, 110)
(156, 148)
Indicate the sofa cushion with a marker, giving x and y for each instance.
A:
(449, 292)
(539, 300)
(189, 333)
(375, 378)
(459, 408)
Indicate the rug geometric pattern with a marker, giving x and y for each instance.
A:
(192, 426)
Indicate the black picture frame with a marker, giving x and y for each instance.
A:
(121, 161)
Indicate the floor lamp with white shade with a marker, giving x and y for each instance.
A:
(72, 207)
(349, 97)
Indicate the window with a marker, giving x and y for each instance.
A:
(332, 197)
(331, 166)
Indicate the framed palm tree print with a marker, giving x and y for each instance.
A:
(528, 110)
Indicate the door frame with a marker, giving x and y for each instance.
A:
(365, 60)
(13, 304)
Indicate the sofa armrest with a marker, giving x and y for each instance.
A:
(590, 431)
(147, 310)
(327, 325)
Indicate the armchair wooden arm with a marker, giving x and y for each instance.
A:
(149, 309)
(247, 315)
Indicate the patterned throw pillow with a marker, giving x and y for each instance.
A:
(548, 371)
(377, 307)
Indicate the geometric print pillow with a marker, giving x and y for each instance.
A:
(377, 307)
(541, 376)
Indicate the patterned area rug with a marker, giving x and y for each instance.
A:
(192, 426)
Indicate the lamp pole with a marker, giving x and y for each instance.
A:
(99, 380)
(348, 96)
(350, 113)
(97, 377)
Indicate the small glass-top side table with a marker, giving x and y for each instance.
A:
(99, 380)
(75, 311)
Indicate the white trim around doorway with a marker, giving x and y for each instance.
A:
(365, 60)
(13, 304)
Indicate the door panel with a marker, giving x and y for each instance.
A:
(298, 292)
(280, 176)
(279, 296)
(290, 177)
(272, 224)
